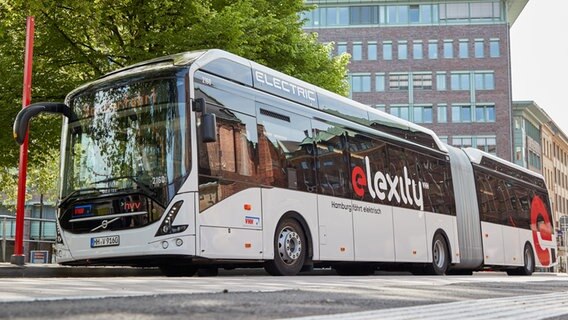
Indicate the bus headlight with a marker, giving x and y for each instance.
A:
(167, 226)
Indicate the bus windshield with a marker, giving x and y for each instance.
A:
(129, 135)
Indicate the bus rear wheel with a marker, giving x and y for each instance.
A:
(528, 265)
(289, 249)
(440, 257)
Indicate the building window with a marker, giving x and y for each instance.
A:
(336, 16)
(341, 48)
(380, 107)
(417, 50)
(442, 113)
(479, 48)
(372, 51)
(440, 81)
(363, 15)
(454, 11)
(432, 49)
(483, 143)
(398, 81)
(460, 81)
(422, 81)
(486, 143)
(444, 139)
(380, 82)
(448, 49)
(400, 111)
(464, 49)
(485, 113)
(402, 50)
(494, 51)
(461, 114)
(414, 13)
(360, 83)
(484, 81)
(422, 114)
(462, 142)
(357, 51)
(387, 50)
(534, 160)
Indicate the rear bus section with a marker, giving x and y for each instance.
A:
(516, 222)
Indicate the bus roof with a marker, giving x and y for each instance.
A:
(247, 72)
(287, 87)
(492, 162)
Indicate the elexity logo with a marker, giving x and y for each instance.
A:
(385, 186)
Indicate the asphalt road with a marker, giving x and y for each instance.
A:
(254, 295)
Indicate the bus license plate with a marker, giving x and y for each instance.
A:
(105, 241)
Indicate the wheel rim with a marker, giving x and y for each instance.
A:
(289, 245)
(439, 254)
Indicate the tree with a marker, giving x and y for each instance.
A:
(80, 40)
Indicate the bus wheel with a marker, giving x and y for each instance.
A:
(289, 249)
(440, 257)
(528, 266)
(178, 270)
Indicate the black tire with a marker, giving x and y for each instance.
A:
(440, 257)
(178, 270)
(290, 248)
(528, 263)
(355, 270)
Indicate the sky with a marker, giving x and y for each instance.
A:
(539, 57)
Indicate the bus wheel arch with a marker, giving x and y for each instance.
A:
(441, 254)
(529, 262)
(292, 245)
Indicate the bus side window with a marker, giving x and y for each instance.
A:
(361, 147)
(423, 176)
(332, 159)
(285, 148)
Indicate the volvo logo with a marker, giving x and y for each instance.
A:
(105, 224)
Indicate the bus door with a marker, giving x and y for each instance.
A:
(335, 207)
(230, 213)
(286, 168)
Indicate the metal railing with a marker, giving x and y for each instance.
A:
(36, 230)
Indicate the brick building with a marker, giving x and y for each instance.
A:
(442, 64)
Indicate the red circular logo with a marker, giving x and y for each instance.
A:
(540, 222)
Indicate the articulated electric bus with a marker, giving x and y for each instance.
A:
(206, 160)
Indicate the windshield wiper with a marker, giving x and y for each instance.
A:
(144, 187)
(79, 191)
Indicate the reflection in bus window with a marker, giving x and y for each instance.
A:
(285, 150)
(375, 150)
(333, 173)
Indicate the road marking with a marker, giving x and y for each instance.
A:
(531, 307)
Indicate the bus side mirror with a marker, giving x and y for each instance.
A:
(198, 105)
(23, 118)
(208, 127)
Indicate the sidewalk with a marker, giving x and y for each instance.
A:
(8, 270)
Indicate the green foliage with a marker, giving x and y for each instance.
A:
(79, 40)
